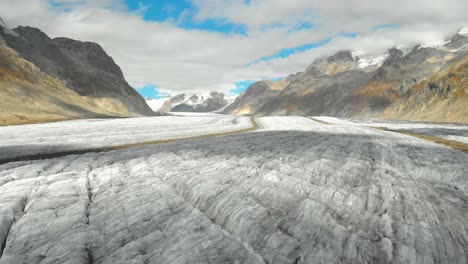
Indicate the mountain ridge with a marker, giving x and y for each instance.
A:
(194, 103)
(345, 85)
(44, 79)
(84, 67)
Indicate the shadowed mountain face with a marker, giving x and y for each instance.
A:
(84, 67)
(30, 95)
(194, 103)
(385, 86)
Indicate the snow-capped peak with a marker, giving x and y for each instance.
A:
(463, 32)
(371, 61)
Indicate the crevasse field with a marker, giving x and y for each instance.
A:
(293, 191)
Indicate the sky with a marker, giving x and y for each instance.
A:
(196, 46)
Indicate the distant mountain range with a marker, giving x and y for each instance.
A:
(428, 83)
(44, 79)
(194, 103)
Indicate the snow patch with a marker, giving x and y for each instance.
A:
(372, 61)
(464, 32)
(156, 104)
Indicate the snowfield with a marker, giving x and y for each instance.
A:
(296, 191)
(25, 140)
(456, 132)
(297, 123)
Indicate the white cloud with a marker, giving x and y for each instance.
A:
(181, 60)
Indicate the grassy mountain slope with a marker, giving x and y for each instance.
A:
(442, 97)
(83, 67)
(426, 84)
(29, 95)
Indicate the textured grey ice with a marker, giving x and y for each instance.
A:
(297, 191)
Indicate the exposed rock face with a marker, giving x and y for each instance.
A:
(339, 62)
(4, 30)
(174, 100)
(30, 95)
(457, 42)
(323, 95)
(83, 67)
(443, 96)
(180, 103)
(346, 86)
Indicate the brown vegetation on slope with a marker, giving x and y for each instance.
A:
(441, 98)
(29, 95)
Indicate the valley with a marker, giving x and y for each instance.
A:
(294, 190)
(249, 132)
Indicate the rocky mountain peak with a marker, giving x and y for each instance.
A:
(339, 62)
(83, 67)
(217, 95)
(394, 57)
(458, 41)
(194, 103)
(32, 33)
(4, 30)
(395, 53)
(193, 98)
(341, 56)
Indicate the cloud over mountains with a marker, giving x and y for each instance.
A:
(206, 45)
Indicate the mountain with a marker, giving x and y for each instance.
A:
(83, 68)
(194, 103)
(258, 94)
(387, 85)
(29, 95)
(441, 97)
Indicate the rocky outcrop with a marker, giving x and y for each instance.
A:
(458, 42)
(5, 30)
(339, 62)
(194, 103)
(83, 67)
(345, 85)
(174, 100)
(442, 97)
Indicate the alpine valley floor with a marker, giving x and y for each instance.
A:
(294, 191)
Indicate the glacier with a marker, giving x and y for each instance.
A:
(294, 191)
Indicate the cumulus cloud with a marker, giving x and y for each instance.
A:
(197, 60)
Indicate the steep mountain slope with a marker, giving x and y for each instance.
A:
(444, 96)
(83, 67)
(324, 88)
(29, 95)
(344, 85)
(194, 103)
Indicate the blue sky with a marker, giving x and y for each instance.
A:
(182, 13)
(150, 91)
(172, 10)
